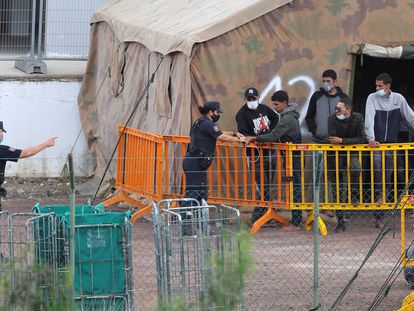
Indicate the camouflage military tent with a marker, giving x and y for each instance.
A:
(214, 50)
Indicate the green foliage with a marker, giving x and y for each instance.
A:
(252, 45)
(225, 281)
(336, 6)
(335, 53)
(33, 288)
(177, 304)
(225, 277)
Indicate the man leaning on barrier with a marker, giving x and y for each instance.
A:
(347, 128)
(384, 112)
(287, 130)
(255, 119)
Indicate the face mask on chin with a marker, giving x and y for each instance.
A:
(215, 117)
(381, 93)
(340, 117)
(252, 105)
(328, 86)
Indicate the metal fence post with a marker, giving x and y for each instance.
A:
(72, 201)
(40, 31)
(33, 31)
(317, 159)
(30, 65)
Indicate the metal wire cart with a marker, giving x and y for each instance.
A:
(36, 245)
(187, 239)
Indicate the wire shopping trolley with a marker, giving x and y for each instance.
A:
(187, 238)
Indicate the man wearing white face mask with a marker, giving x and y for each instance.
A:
(384, 112)
(254, 119)
(321, 105)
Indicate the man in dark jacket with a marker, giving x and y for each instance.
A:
(287, 130)
(321, 105)
(347, 128)
(255, 119)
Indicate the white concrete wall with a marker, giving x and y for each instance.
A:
(33, 111)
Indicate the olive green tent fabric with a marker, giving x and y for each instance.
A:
(286, 46)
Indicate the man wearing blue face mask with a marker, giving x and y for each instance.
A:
(254, 119)
(322, 104)
(345, 127)
(384, 113)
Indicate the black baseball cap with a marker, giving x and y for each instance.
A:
(1, 127)
(212, 106)
(251, 92)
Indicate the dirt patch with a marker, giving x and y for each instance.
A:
(24, 193)
(283, 273)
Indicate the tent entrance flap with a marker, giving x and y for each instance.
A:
(400, 52)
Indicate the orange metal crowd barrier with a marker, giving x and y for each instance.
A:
(149, 166)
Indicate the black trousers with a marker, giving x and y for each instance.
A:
(196, 179)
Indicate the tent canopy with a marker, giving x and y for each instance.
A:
(167, 26)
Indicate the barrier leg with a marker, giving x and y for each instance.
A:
(123, 197)
(270, 214)
(141, 213)
(409, 300)
(322, 226)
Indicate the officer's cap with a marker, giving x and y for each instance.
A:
(1, 127)
(212, 106)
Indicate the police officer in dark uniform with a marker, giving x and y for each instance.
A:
(200, 152)
(8, 153)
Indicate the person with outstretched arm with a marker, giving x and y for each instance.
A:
(8, 153)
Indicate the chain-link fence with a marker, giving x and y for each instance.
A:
(45, 29)
(355, 257)
(293, 269)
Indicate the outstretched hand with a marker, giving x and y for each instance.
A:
(50, 142)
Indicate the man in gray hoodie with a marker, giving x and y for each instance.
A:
(321, 105)
(287, 130)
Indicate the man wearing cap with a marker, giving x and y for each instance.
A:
(8, 153)
(254, 119)
(201, 150)
(287, 131)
